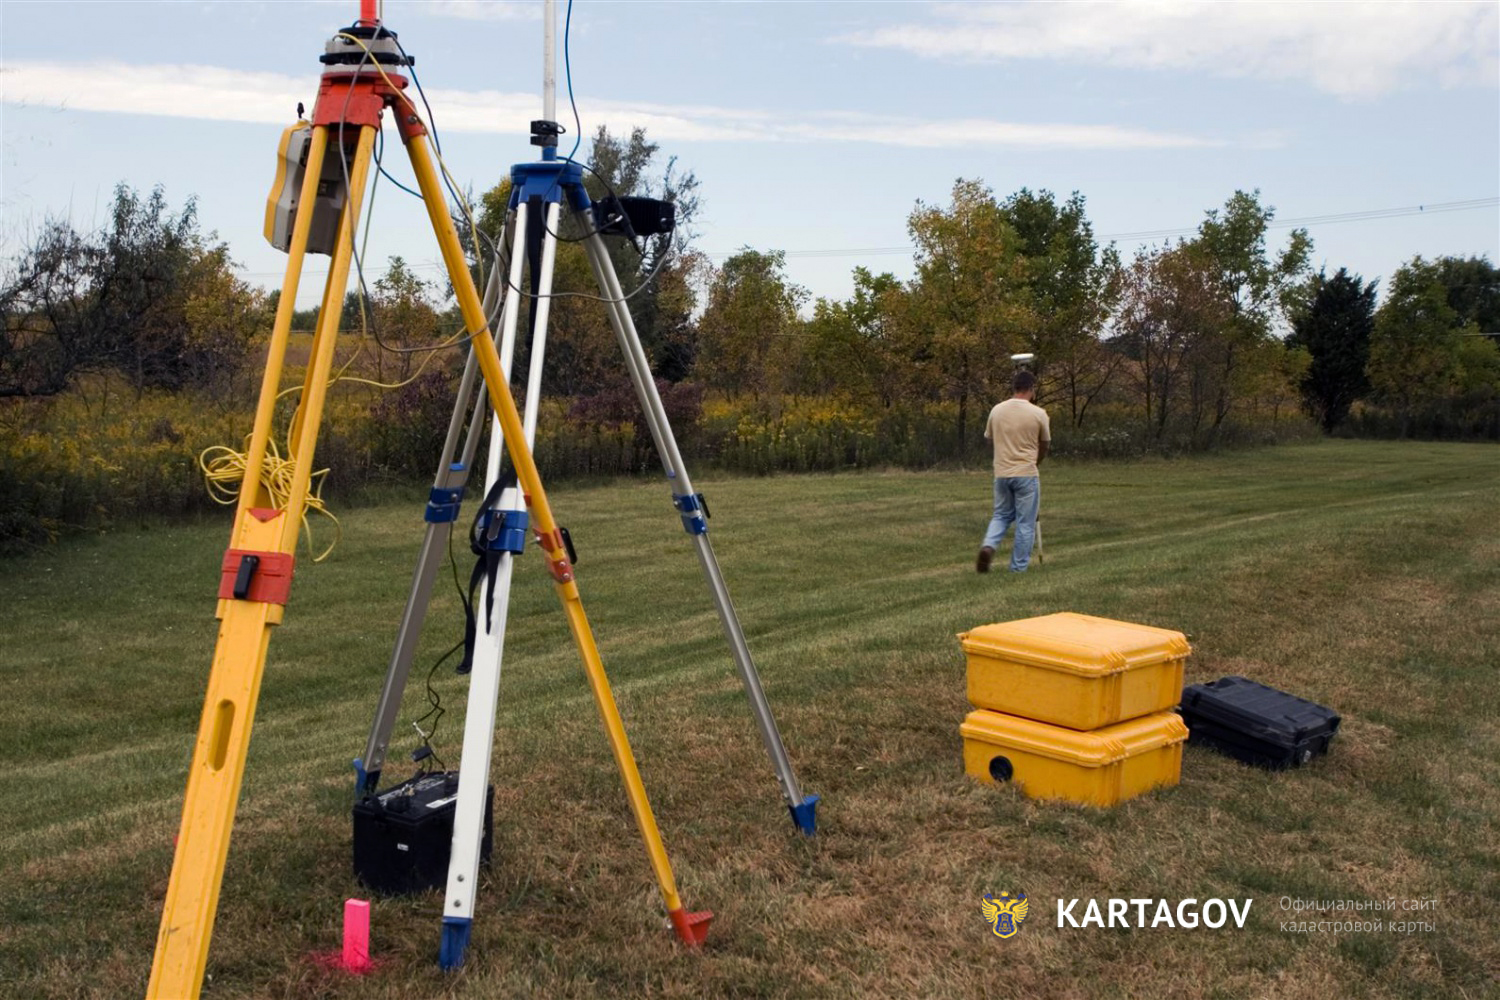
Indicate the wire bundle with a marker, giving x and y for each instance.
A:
(224, 472)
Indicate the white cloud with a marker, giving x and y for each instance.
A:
(1348, 49)
(214, 93)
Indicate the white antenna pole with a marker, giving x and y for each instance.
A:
(549, 60)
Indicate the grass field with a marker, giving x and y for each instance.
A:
(1362, 575)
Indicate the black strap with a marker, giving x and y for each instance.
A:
(486, 566)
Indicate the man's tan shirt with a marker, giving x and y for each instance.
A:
(1016, 426)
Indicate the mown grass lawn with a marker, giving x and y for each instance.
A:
(1362, 575)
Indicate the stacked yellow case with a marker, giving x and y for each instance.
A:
(1074, 707)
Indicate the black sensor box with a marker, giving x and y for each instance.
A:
(1257, 724)
(403, 837)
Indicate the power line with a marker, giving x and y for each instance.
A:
(1434, 208)
(1369, 215)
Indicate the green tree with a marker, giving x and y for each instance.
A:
(1426, 355)
(1074, 286)
(861, 347)
(1334, 327)
(1257, 286)
(1414, 349)
(1473, 286)
(749, 329)
(970, 296)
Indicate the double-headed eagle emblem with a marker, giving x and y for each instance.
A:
(1005, 913)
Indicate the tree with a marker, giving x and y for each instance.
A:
(1256, 288)
(749, 328)
(970, 295)
(1415, 342)
(656, 272)
(1073, 288)
(1170, 305)
(1473, 286)
(402, 316)
(1424, 351)
(1334, 327)
(860, 346)
(124, 299)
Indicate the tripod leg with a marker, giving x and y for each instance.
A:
(252, 595)
(690, 927)
(489, 641)
(695, 521)
(442, 510)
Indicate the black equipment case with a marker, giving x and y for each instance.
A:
(403, 837)
(1257, 724)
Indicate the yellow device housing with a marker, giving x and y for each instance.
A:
(1101, 768)
(1074, 670)
(286, 190)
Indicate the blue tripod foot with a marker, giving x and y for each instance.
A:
(364, 781)
(805, 815)
(455, 941)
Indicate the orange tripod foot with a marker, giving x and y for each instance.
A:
(692, 928)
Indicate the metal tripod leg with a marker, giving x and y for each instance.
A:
(690, 927)
(507, 536)
(442, 510)
(695, 520)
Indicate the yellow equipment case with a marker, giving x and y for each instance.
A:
(1074, 670)
(1101, 768)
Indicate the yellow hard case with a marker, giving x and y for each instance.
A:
(1074, 670)
(1101, 768)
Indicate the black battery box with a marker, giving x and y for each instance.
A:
(1255, 723)
(403, 836)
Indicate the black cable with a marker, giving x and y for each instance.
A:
(436, 711)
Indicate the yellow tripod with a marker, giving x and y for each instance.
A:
(355, 91)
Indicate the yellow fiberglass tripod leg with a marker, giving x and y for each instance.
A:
(256, 579)
(690, 927)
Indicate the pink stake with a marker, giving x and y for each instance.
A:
(356, 935)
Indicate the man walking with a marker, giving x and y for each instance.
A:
(1021, 433)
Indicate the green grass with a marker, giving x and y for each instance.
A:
(1362, 575)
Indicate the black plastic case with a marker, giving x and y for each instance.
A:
(1255, 723)
(403, 837)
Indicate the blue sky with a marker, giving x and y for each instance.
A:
(813, 127)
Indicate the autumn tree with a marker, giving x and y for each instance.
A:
(748, 331)
(148, 296)
(1170, 305)
(970, 297)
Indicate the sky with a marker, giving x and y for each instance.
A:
(813, 128)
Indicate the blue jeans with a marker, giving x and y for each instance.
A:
(1016, 501)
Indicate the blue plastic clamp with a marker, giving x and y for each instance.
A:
(549, 180)
(512, 534)
(455, 941)
(442, 504)
(692, 509)
(806, 815)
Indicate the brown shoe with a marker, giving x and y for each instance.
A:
(982, 564)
